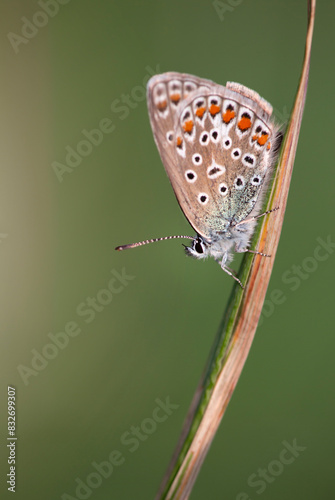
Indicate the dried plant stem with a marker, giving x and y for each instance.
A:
(240, 321)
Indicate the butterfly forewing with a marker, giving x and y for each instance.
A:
(165, 95)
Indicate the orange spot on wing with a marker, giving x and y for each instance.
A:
(200, 112)
(268, 146)
(263, 138)
(179, 142)
(175, 98)
(214, 109)
(254, 137)
(244, 123)
(188, 126)
(162, 105)
(228, 115)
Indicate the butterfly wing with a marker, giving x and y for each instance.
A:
(166, 94)
(216, 148)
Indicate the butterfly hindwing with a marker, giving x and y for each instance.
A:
(215, 144)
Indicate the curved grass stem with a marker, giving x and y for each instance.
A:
(239, 323)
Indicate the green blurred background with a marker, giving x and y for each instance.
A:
(152, 340)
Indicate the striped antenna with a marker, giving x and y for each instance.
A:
(145, 242)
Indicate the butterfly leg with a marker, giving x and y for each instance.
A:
(258, 253)
(239, 249)
(246, 221)
(228, 270)
(243, 250)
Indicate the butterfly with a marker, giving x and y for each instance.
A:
(218, 146)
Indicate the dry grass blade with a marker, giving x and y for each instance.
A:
(238, 327)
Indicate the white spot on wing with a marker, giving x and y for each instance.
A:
(203, 198)
(190, 176)
(215, 170)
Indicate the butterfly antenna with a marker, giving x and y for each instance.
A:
(145, 242)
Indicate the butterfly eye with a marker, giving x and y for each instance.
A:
(199, 246)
